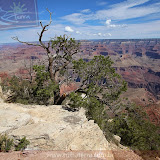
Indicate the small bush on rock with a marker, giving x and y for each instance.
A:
(5, 143)
(22, 144)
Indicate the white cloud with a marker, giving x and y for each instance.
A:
(76, 18)
(102, 3)
(107, 34)
(113, 26)
(78, 32)
(102, 34)
(127, 10)
(130, 3)
(86, 11)
(108, 22)
(68, 29)
(121, 11)
(146, 30)
(109, 25)
(99, 34)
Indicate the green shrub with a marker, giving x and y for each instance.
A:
(45, 88)
(76, 101)
(22, 144)
(37, 92)
(21, 90)
(135, 130)
(5, 143)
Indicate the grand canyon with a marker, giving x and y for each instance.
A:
(137, 60)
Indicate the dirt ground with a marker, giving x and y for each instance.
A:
(70, 155)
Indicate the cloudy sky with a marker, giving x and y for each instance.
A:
(93, 19)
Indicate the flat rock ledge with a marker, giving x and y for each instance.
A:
(52, 129)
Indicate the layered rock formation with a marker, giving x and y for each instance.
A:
(138, 61)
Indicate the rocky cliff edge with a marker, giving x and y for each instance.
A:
(53, 128)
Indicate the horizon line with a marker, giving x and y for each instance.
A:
(91, 40)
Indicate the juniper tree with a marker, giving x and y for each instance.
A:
(98, 78)
(101, 85)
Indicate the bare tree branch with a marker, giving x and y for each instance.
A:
(40, 36)
(41, 24)
(46, 47)
(43, 30)
(33, 44)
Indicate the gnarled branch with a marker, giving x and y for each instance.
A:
(40, 36)
(33, 44)
(46, 47)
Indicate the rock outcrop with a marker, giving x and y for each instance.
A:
(56, 131)
(51, 127)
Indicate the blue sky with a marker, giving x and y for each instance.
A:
(93, 19)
